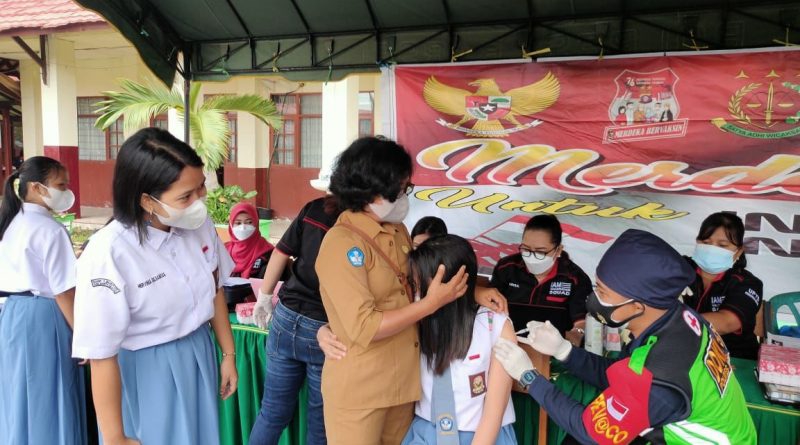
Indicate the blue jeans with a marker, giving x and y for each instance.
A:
(293, 355)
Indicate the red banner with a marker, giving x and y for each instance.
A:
(650, 142)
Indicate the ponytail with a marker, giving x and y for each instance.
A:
(11, 204)
(35, 169)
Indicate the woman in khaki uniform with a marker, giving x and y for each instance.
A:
(369, 393)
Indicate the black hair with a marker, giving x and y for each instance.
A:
(35, 169)
(370, 167)
(621, 109)
(148, 162)
(549, 224)
(446, 334)
(429, 225)
(734, 231)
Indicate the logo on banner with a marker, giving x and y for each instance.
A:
(495, 113)
(767, 109)
(644, 108)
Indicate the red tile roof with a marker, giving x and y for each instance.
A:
(43, 15)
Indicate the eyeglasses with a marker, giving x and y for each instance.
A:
(526, 253)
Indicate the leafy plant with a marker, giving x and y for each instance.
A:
(221, 200)
(208, 122)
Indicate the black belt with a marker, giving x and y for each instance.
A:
(21, 294)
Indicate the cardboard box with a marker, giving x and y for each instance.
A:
(779, 365)
(773, 338)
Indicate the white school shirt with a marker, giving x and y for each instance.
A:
(470, 376)
(133, 296)
(36, 254)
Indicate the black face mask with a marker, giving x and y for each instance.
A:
(602, 313)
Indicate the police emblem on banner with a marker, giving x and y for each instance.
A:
(645, 107)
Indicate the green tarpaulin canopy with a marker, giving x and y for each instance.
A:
(327, 39)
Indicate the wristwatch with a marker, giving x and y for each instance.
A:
(527, 378)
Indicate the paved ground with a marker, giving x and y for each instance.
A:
(93, 218)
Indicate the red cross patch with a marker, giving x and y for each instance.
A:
(693, 322)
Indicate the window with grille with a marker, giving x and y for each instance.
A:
(299, 143)
(232, 128)
(95, 144)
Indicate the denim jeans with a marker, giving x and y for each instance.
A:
(293, 355)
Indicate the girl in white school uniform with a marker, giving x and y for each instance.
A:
(465, 391)
(147, 288)
(41, 386)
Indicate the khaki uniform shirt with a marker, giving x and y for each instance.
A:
(356, 286)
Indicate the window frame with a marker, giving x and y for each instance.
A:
(233, 126)
(117, 127)
(297, 121)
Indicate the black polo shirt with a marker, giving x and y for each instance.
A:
(560, 297)
(736, 290)
(301, 241)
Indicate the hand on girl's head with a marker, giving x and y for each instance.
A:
(454, 288)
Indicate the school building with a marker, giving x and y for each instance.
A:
(57, 60)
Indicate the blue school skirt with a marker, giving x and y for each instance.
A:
(42, 395)
(170, 391)
(423, 432)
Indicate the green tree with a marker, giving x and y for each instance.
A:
(208, 121)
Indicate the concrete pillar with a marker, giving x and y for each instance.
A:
(251, 151)
(174, 118)
(339, 124)
(60, 111)
(31, 92)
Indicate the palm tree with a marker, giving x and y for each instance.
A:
(208, 122)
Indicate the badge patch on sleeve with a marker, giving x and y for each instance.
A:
(105, 282)
(356, 257)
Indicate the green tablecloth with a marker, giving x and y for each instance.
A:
(776, 424)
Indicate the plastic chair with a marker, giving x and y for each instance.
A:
(791, 300)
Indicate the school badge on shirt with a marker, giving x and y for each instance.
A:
(477, 384)
(356, 257)
(105, 282)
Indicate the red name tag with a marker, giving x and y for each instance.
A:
(474, 357)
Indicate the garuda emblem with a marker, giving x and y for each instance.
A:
(489, 107)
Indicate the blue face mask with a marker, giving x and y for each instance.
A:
(712, 259)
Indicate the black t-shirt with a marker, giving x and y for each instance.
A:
(735, 290)
(259, 267)
(301, 241)
(560, 298)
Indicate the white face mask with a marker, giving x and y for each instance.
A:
(537, 266)
(391, 212)
(243, 231)
(190, 218)
(59, 200)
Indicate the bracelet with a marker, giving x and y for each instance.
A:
(228, 354)
(580, 330)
